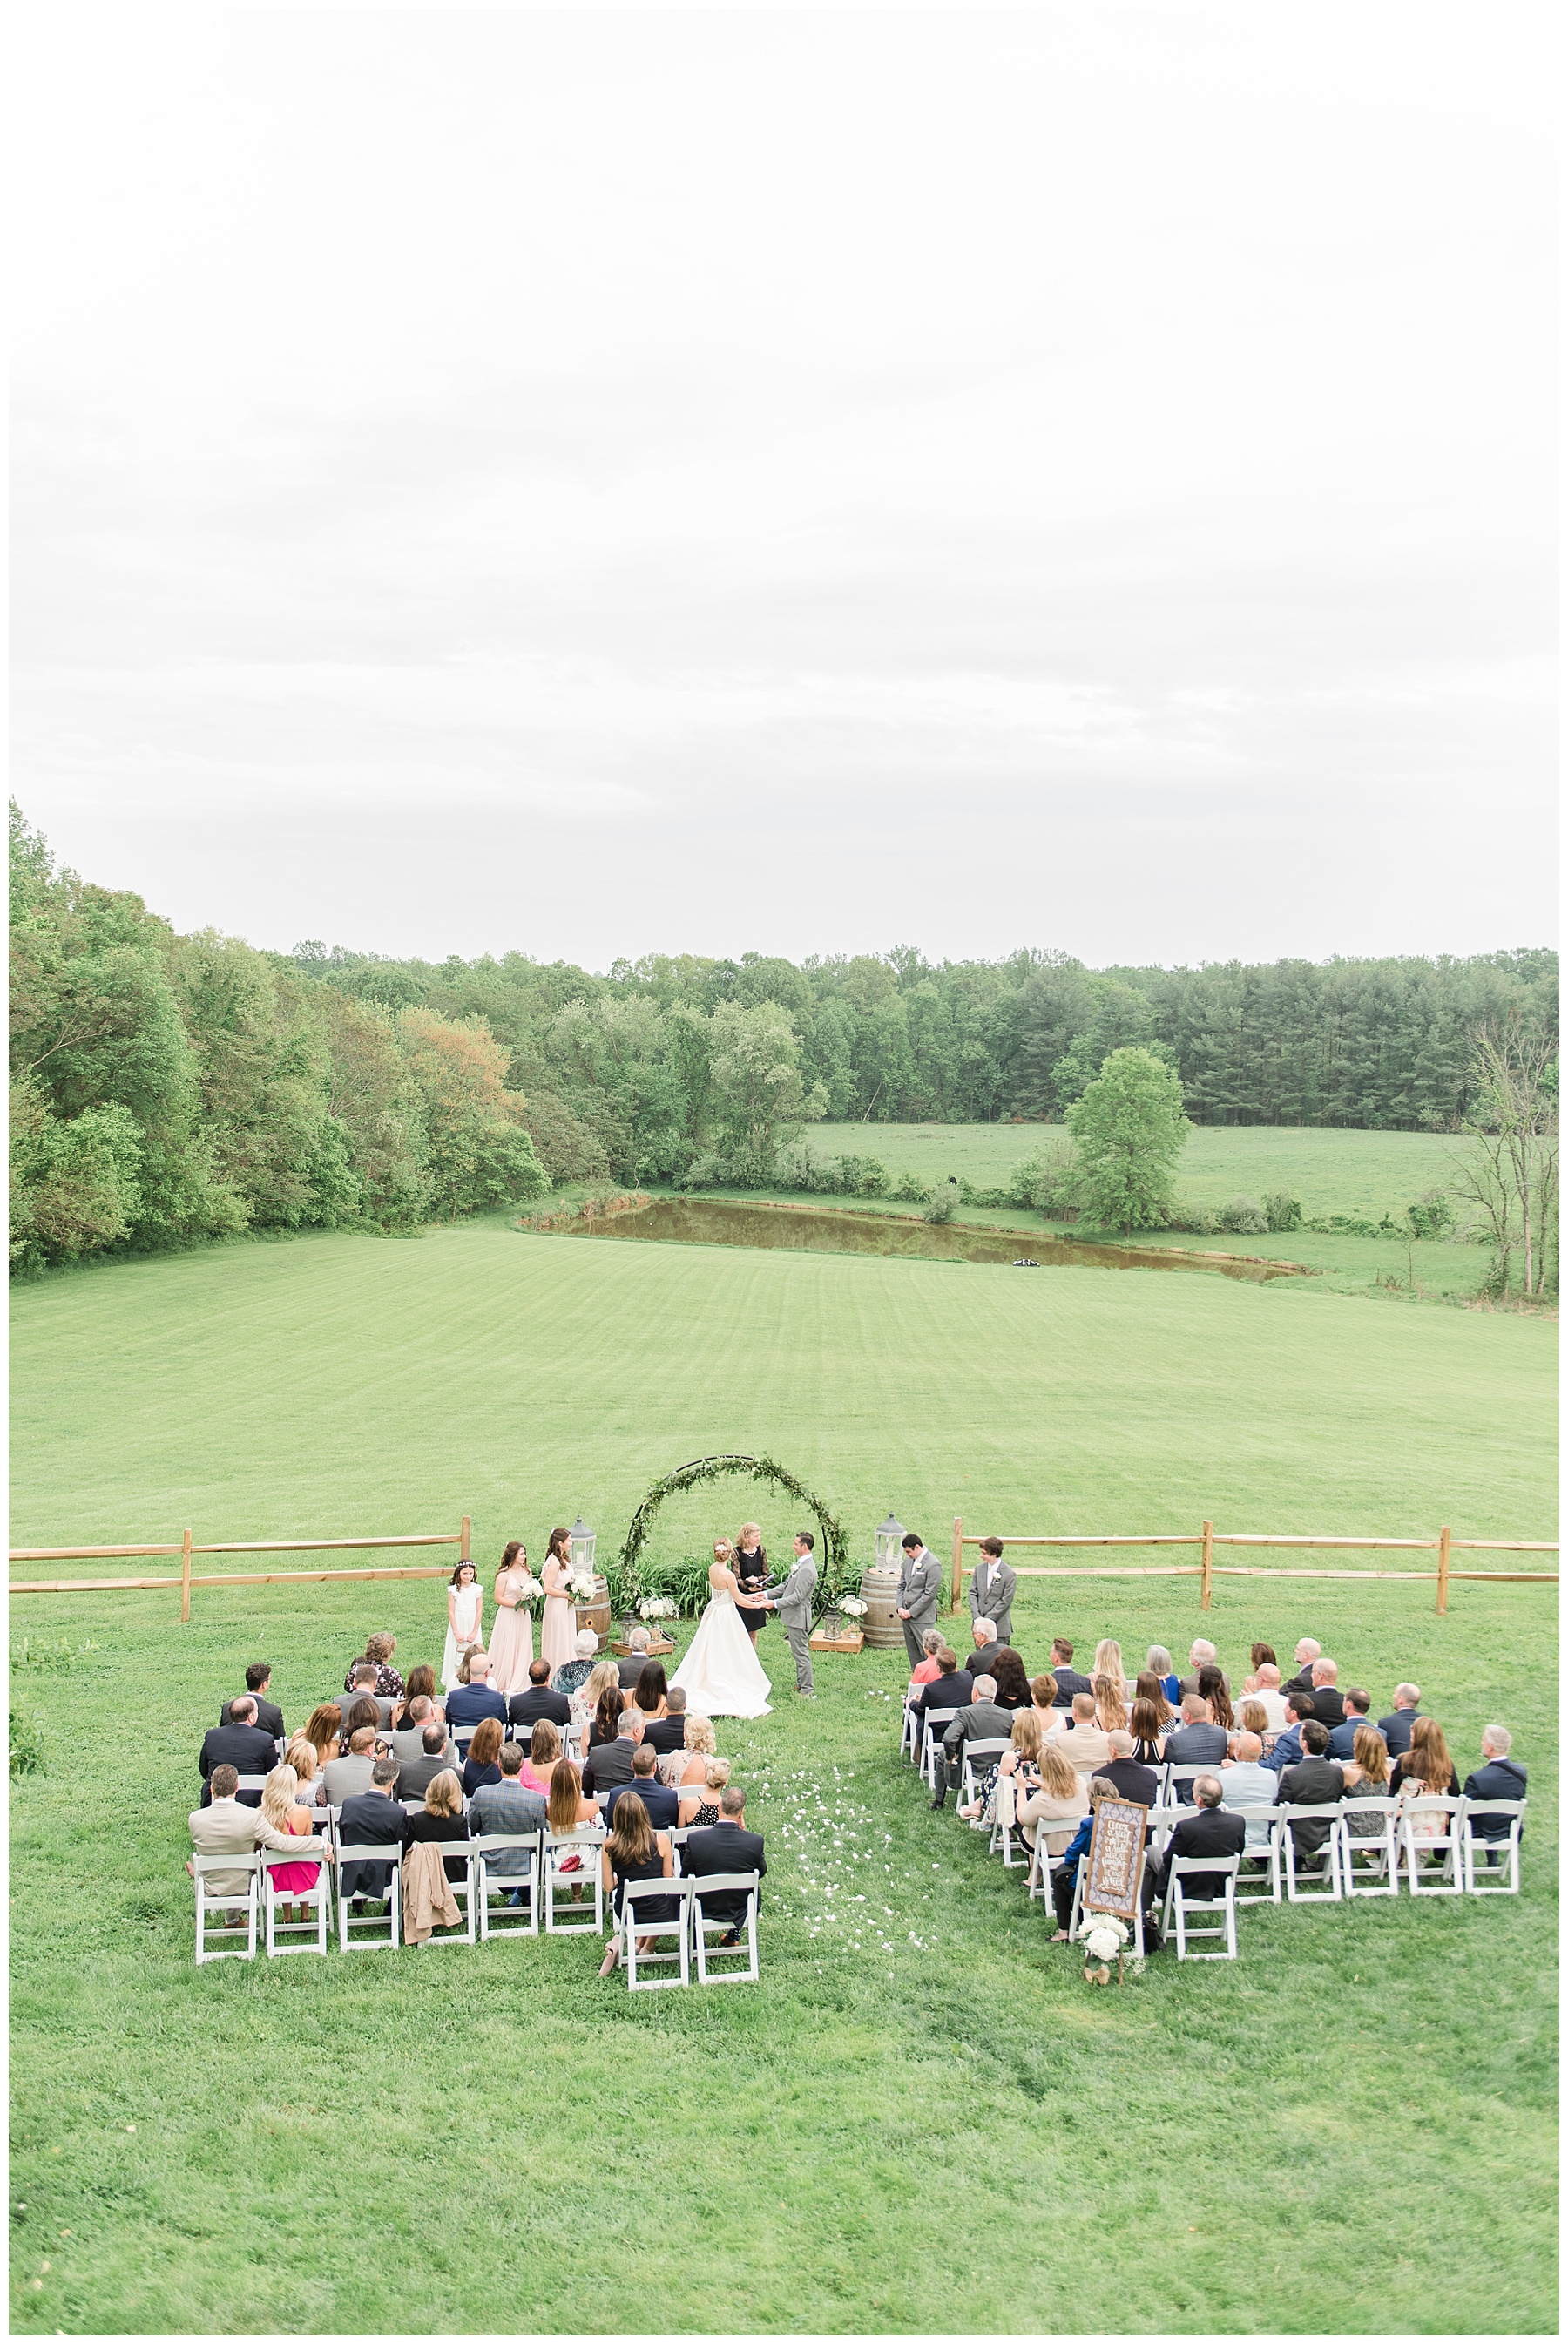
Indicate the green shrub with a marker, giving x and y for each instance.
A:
(943, 1203)
(1431, 1215)
(910, 1190)
(1281, 1210)
(1245, 1217)
(27, 1744)
(1046, 1181)
(59, 1657)
(1202, 1221)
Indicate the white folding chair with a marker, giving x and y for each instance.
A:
(1369, 1860)
(702, 1928)
(234, 1943)
(1328, 1857)
(256, 1783)
(1500, 1878)
(375, 1929)
(317, 1901)
(1177, 1778)
(508, 1920)
(558, 1882)
(1261, 1847)
(907, 1734)
(635, 1893)
(1162, 1822)
(1002, 1830)
(462, 1896)
(1417, 1847)
(1180, 1908)
(977, 1756)
(937, 1723)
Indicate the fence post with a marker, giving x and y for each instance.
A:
(957, 1560)
(1206, 1579)
(186, 1576)
(1442, 1538)
(463, 1554)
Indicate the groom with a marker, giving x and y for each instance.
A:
(791, 1599)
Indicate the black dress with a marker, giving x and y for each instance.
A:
(424, 1825)
(656, 1908)
(751, 1572)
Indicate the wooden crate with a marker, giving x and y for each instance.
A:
(851, 1642)
(657, 1648)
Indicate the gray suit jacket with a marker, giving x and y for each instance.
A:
(794, 1594)
(996, 1603)
(920, 1589)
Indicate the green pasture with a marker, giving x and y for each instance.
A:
(1221, 2148)
(1367, 1173)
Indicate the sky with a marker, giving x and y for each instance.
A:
(595, 482)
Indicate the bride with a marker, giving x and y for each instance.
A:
(721, 1675)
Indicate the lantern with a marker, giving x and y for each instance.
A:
(582, 1539)
(889, 1544)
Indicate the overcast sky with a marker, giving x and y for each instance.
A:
(593, 483)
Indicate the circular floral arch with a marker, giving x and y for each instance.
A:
(836, 1545)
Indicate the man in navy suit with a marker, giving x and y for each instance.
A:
(1069, 1680)
(466, 1704)
(369, 1819)
(1343, 1736)
(1207, 1831)
(1498, 1777)
(663, 1804)
(539, 1701)
(726, 1846)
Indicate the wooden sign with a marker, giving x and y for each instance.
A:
(1115, 1858)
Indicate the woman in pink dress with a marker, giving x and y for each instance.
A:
(280, 1808)
(512, 1629)
(558, 1629)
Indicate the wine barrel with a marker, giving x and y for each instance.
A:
(596, 1615)
(884, 1630)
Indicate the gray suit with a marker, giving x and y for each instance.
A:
(793, 1596)
(993, 1600)
(920, 1592)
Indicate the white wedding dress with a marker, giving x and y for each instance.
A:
(721, 1675)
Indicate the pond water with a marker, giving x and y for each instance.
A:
(701, 1220)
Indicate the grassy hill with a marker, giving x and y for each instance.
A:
(540, 2151)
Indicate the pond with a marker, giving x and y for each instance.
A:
(805, 1228)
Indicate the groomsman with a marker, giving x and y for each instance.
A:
(920, 1592)
(992, 1589)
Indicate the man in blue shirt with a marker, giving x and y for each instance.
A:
(466, 1704)
(1397, 1729)
(1358, 1712)
(1287, 1751)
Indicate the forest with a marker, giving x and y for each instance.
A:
(168, 1088)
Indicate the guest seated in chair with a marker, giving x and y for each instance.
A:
(467, 1703)
(634, 1851)
(1316, 1782)
(572, 1675)
(373, 1818)
(443, 1819)
(483, 1763)
(539, 1700)
(241, 1744)
(1207, 1831)
(726, 1846)
(667, 1733)
(662, 1804)
(268, 1716)
(1498, 1777)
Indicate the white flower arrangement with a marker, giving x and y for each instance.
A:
(582, 1587)
(1105, 1937)
(852, 1607)
(529, 1592)
(657, 1607)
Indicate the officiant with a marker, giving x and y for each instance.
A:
(750, 1565)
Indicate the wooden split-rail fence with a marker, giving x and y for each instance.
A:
(187, 1580)
(1445, 1546)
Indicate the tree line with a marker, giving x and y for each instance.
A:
(169, 1087)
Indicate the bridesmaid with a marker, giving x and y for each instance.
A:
(558, 1629)
(465, 1615)
(511, 1631)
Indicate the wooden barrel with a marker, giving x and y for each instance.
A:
(884, 1630)
(596, 1615)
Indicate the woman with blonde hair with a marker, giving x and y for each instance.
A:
(1110, 1710)
(1367, 1779)
(1254, 1718)
(301, 1755)
(1059, 1805)
(282, 1810)
(1108, 1663)
(1019, 1763)
(689, 1764)
(443, 1819)
(635, 1851)
(695, 1808)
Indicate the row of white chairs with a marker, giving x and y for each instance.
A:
(558, 1881)
(1435, 1843)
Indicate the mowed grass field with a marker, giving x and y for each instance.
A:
(463, 2141)
(1367, 1173)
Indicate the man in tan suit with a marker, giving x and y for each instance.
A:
(227, 1828)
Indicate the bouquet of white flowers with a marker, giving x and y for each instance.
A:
(529, 1592)
(655, 1607)
(1105, 1937)
(582, 1587)
(852, 1607)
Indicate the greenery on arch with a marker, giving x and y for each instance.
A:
(834, 1574)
